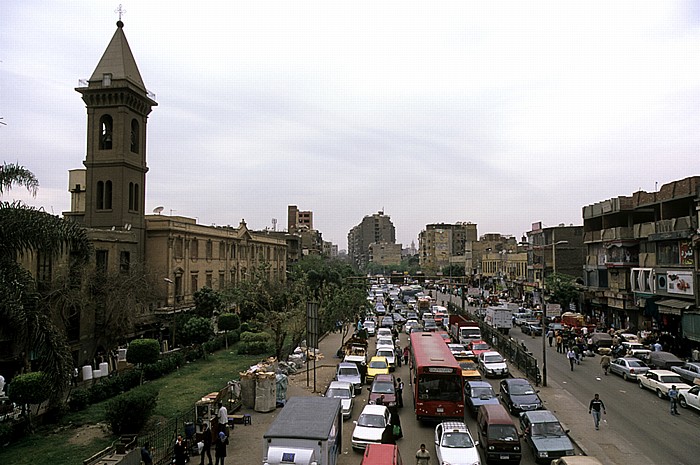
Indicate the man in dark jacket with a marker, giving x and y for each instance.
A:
(206, 440)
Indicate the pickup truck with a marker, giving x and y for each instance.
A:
(689, 372)
(660, 381)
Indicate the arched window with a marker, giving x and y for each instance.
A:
(108, 195)
(134, 136)
(136, 197)
(131, 196)
(106, 128)
(100, 197)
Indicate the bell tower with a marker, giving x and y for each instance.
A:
(118, 105)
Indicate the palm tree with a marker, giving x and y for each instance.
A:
(23, 229)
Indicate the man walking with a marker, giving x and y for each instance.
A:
(560, 343)
(571, 355)
(222, 418)
(550, 336)
(673, 397)
(605, 363)
(595, 407)
(399, 392)
(422, 456)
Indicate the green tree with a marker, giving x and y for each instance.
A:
(27, 322)
(562, 289)
(197, 330)
(228, 322)
(142, 352)
(28, 388)
(207, 302)
(453, 270)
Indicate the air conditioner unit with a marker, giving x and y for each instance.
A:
(661, 282)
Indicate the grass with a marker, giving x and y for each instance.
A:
(176, 393)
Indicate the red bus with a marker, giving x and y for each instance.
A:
(436, 378)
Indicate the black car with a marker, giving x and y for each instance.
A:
(519, 396)
(533, 329)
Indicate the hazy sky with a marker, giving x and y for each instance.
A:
(496, 113)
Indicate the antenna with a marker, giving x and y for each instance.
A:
(159, 209)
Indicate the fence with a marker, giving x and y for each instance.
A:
(165, 433)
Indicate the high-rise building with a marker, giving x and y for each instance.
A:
(442, 244)
(373, 229)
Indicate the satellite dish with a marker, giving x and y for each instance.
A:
(157, 210)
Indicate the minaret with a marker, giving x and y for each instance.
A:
(118, 106)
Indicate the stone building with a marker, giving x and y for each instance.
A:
(373, 229)
(442, 244)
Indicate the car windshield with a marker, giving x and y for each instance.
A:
(493, 358)
(483, 346)
(382, 387)
(637, 364)
(348, 372)
(521, 390)
(385, 353)
(339, 393)
(671, 379)
(371, 421)
(456, 439)
(377, 364)
(483, 392)
(503, 432)
(547, 429)
(468, 365)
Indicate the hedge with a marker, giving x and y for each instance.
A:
(128, 412)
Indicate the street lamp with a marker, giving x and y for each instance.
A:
(544, 308)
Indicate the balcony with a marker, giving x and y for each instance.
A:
(617, 234)
(682, 223)
(592, 236)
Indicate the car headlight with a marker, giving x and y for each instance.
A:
(516, 448)
(542, 454)
(491, 447)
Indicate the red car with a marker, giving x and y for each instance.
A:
(383, 385)
(478, 347)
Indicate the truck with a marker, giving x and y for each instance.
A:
(463, 330)
(308, 431)
(355, 350)
(499, 318)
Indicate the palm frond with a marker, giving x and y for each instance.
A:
(11, 174)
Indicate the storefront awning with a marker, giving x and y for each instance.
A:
(673, 306)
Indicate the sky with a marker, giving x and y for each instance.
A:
(499, 113)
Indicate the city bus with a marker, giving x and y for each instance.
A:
(436, 378)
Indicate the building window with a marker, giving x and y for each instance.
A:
(107, 197)
(222, 278)
(233, 276)
(233, 251)
(668, 253)
(137, 195)
(222, 250)
(178, 288)
(209, 249)
(106, 128)
(193, 283)
(106, 79)
(177, 245)
(210, 280)
(43, 271)
(134, 136)
(100, 195)
(124, 261)
(131, 196)
(194, 249)
(101, 260)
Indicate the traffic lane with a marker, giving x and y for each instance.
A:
(637, 422)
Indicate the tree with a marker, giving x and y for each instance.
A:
(28, 388)
(27, 322)
(207, 302)
(453, 270)
(562, 289)
(228, 322)
(142, 352)
(197, 330)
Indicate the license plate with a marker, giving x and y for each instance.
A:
(504, 457)
(440, 410)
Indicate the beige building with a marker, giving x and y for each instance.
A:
(373, 229)
(442, 244)
(385, 254)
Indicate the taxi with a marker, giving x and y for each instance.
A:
(377, 366)
(470, 369)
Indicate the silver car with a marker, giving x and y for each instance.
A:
(628, 367)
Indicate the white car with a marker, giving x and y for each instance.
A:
(690, 398)
(410, 324)
(371, 327)
(454, 445)
(660, 381)
(493, 364)
(635, 349)
(385, 341)
(384, 332)
(388, 352)
(370, 426)
(345, 392)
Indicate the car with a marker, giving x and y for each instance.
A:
(376, 366)
(398, 318)
(577, 460)
(518, 395)
(532, 328)
(381, 454)
(664, 360)
(470, 369)
(410, 324)
(384, 333)
(454, 445)
(388, 352)
(383, 385)
(689, 372)
(456, 349)
(478, 393)
(477, 347)
(635, 349)
(429, 325)
(380, 309)
(547, 438)
(690, 398)
(371, 327)
(370, 425)
(492, 363)
(628, 367)
(629, 337)
(387, 322)
(384, 341)
(345, 392)
(660, 381)
(519, 318)
(601, 341)
(349, 372)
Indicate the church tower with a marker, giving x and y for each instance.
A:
(118, 106)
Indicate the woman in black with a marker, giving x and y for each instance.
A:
(179, 451)
(220, 448)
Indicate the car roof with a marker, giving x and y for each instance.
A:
(377, 357)
(374, 409)
(478, 383)
(663, 372)
(540, 416)
(340, 384)
(490, 352)
(454, 426)
(384, 377)
(510, 381)
(347, 365)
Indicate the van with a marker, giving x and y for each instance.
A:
(381, 454)
(497, 434)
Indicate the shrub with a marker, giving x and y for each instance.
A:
(143, 351)
(255, 348)
(128, 412)
(28, 388)
(79, 400)
(254, 337)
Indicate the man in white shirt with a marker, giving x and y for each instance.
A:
(222, 417)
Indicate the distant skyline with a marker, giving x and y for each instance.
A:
(499, 113)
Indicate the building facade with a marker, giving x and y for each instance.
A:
(441, 244)
(373, 229)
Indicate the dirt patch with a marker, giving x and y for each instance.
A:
(85, 434)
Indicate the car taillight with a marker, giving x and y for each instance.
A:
(631, 370)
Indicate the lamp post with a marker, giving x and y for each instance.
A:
(544, 308)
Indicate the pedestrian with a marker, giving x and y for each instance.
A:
(595, 406)
(220, 448)
(405, 355)
(657, 347)
(399, 392)
(222, 418)
(605, 363)
(147, 454)
(673, 398)
(206, 441)
(550, 336)
(397, 355)
(74, 377)
(560, 342)
(179, 452)
(395, 422)
(380, 401)
(571, 355)
(388, 435)
(422, 456)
